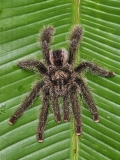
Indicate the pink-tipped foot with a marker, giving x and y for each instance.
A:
(40, 140)
(12, 120)
(65, 120)
(40, 137)
(58, 118)
(58, 121)
(95, 117)
(78, 130)
(78, 134)
(111, 74)
(10, 123)
(97, 120)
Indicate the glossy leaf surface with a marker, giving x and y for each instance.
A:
(20, 22)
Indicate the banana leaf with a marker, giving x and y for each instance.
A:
(20, 22)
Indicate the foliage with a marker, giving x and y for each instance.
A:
(20, 22)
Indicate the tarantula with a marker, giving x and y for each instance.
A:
(61, 79)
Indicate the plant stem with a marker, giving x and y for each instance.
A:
(74, 137)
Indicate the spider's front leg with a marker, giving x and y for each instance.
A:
(75, 38)
(94, 68)
(76, 109)
(88, 99)
(43, 116)
(45, 40)
(31, 64)
(26, 103)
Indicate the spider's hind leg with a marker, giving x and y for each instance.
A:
(56, 108)
(26, 103)
(66, 111)
(76, 110)
(43, 117)
(88, 99)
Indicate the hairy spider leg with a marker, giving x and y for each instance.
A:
(45, 41)
(88, 99)
(75, 39)
(56, 108)
(66, 111)
(30, 64)
(43, 117)
(76, 109)
(26, 103)
(94, 68)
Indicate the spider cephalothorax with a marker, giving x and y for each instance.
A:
(60, 79)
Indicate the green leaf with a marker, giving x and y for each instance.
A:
(101, 45)
(20, 22)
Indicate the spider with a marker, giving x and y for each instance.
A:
(60, 79)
